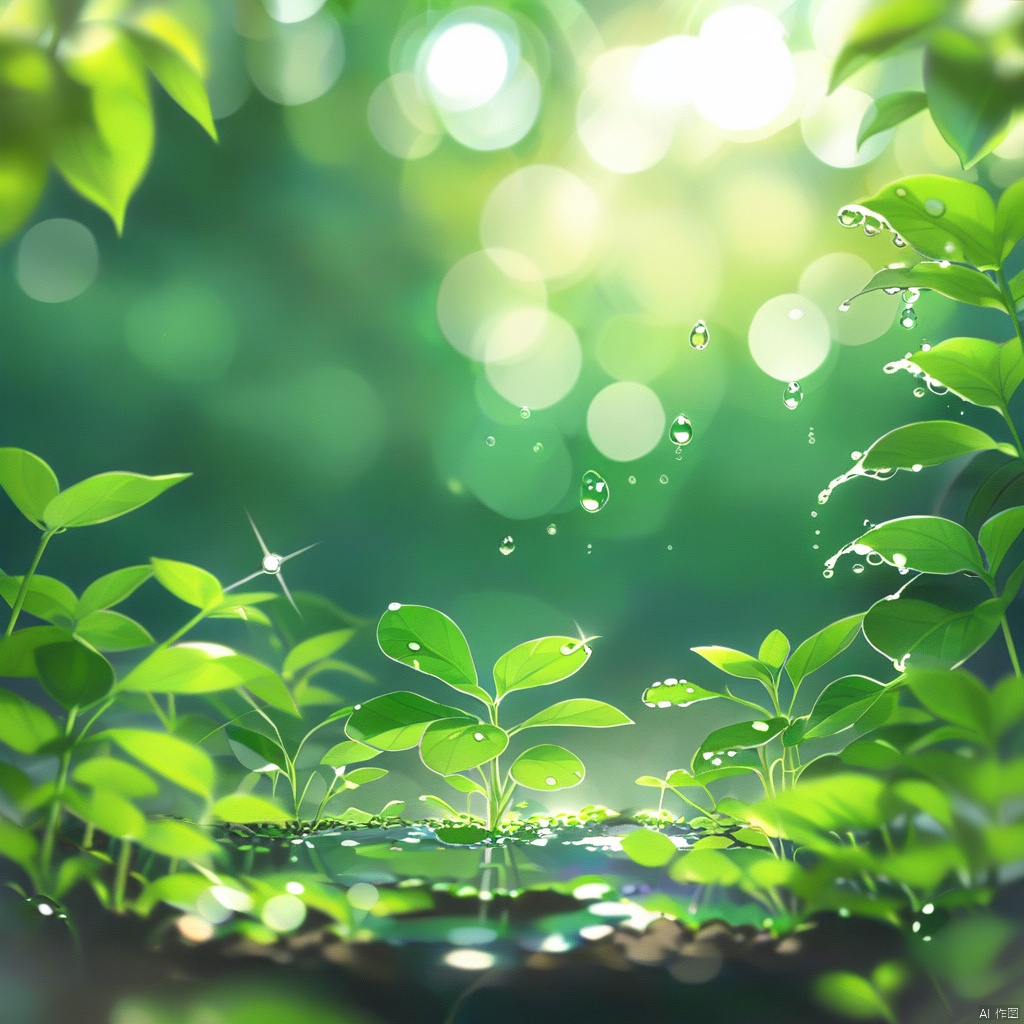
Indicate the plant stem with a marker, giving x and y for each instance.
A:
(57, 804)
(26, 581)
(1011, 309)
(124, 858)
(1011, 650)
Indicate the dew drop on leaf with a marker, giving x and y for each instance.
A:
(524, 412)
(827, 573)
(910, 295)
(413, 646)
(593, 491)
(663, 479)
(489, 441)
(793, 395)
(632, 479)
(872, 226)
(850, 216)
(858, 568)
(507, 546)
(552, 529)
(700, 336)
(919, 392)
(934, 207)
(681, 431)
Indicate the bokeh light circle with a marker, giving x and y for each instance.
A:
(830, 280)
(547, 214)
(477, 293)
(283, 913)
(400, 118)
(297, 63)
(830, 127)
(745, 76)
(288, 12)
(57, 260)
(633, 348)
(625, 421)
(467, 63)
(533, 358)
(789, 337)
(503, 120)
(665, 73)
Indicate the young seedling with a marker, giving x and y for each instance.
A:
(466, 748)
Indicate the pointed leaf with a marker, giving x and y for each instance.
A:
(23, 726)
(315, 649)
(679, 692)
(104, 497)
(956, 697)
(19, 845)
(581, 711)
(182, 763)
(188, 583)
(116, 776)
(982, 372)
(929, 444)
(111, 813)
(950, 279)
(548, 767)
(72, 674)
(362, 776)
(925, 797)
(456, 745)
(29, 483)
(841, 704)
(999, 534)
(465, 785)
(819, 649)
(1003, 488)
(648, 848)
(185, 668)
(178, 840)
(540, 663)
(923, 543)
(736, 663)
(714, 752)
(774, 650)
(247, 810)
(889, 111)
(263, 746)
(18, 651)
(428, 641)
(111, 631)
(47, 598)
(112, 589)
(397, 721)
(852, 996)
(348, 752)
(1010, 218)
(263, 682)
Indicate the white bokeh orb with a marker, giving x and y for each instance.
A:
(625, 421)
(830, 281)
(466, 65)
(789, 337)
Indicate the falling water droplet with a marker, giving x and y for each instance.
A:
(850, 216)
(593, 491)
(700, 336)
(552, 529)
(663, 479)
(814, 515)
(908, 318)
(507, 546)
(844, 307)
(793, 395)
(489, 441)
(872, 226)
(934, 207)
(827, 573)
(538, 447)
(919, 392)
(632, 479)
(681, 431)
(525, 413)
(858, 568)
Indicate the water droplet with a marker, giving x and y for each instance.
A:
(944, 264)
(901, 192)
(892, 291)
(872, 226)
(394, 606)
(681, 430)
(874, 558)
(507, 546)
(632, 479)
(593, 491)
(700, 336)
(413, 646)
(663, 479)
(817, 533)
(46, 907)
(934, 207)
(538, 447)
(911, 295)
(899, 241)
(916, 467)
(851, 216)
(919, 392)
(810, 437)
(272, 564)
(670, 547)
(908, 318)
(856, 455)
(796, 313)
(552, 529)
(489, 441)
(950, 248)
(478, 736)
(815, 546)
(844, 307)
(793, 395)
(590, 549)
(551, 781)
(935, 387)
(827, 573)
(525, 413)
(899, 560)
(925, 347)
(858, 568)
(814, 515)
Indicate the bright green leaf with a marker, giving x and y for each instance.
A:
(397, 721)
(18, 845)
(47, 598)
(18, 651)
(178, 840)
(263, 746)
(106, 496)
(736, 663)
(923, 543)
(1007, 705)
(956, 697)
(841, 704)
(22, 181)
(456, 745)
(539, 663)
(23, 726)
(29, 483)
(188, 583)
(950, 279)
(348, 752)
(648, 848)
(889, 111)
(774, 650)
(852, 996)
(714, 751)
(819, 649)
(247, 810)
(111, 631)
(186, 668)
(929, 444)
(1003, 488)
(362, 776)
(679, 692)
(925, 797)
(109, 812)
(315, 649)
(72, 674)
(548, 767)
(465, 785)
(112, 589)
(982, 372)
(1010, 218)
(117, 776)
(581, 711)
(182, 763)
(999, 534)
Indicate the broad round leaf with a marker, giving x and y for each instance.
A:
(29, 483)
(456, 745)
(742, 736)
(548, 767)
(245, 809)
(108, 630)
(183, 763)
(648, 848)
(104, 497)
(72, 674)
(540, 663)
(188, 583)
(956, 697)
(24, 727)
(925, 544)
(580, 711)
(397, 721)
(679, 692)
(18, 651)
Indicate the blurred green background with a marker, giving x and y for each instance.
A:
(305, 317)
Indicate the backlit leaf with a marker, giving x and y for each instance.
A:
(117, 776)
(1010, 218)
(841, 704)
(956, 697)
(362, 776)
(397, 721)
(998, 535)
(540, 663)
(72, 674)
(111, 631)
(580, 711)
(714, 752)
(348, 752)
(182, 763)
(112, 589)
(548, 767)
(929, 444)
(852, 996)
(315, 649)
(111, 813)
(648, 848)
(178, 840)
(924, 543)
(774, 650)
(47, 598)
(29, 483)
(18, 651)
(889, 111)
(188, 583)
(24, 727)
(22, 180)
(245, 809)
(260, 744)
(456, 745)
(106, 496)
(818, 650)
(678, 692)
(982, 372)
(736, 663)
(950, 279)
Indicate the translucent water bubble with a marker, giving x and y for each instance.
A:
(681, 431)
(934, 207)
(663, 479)
(919, 392)
(272, 564)
(899, 241)
(925, 347)
(892, 291)
(851, 216)
(552, 529)
(814, 515)
(827, 573)
(507, 546)
(632, 479)
(700, 336)
(911, 295)
(815, 546)
(793, 395)
(936, 388)
(524, 412)
(489, 441)
(413, 646)
(538, 447)
(590, 549)
(844, 307)
(858, 568)
(594, 491)
(872, 226)
(874, 558)
(908, 318)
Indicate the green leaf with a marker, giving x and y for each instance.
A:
(456, 745)
(679, 692)
(950, 279)
(736, 663)
(929, 444)
(548, 767)
(464, 785)
(889, 111)
(263, 682)
(263, 746)
(969, 103)
(111, 631)
(955, 697)
(244, 809)
(923, 543)
(540, 663)
(104, 497)
(112, 589)
(397, 721)
(182, 763)
(18, 651)
(117, 776)
(72, 674)
(841, 704)
(22, 181)
(648, 848)
(883, 29)
(819, 649)
(999, 533)
(18, 845)
(942, 218)
(1010, 218)
(774, 651)
(23, 726)
(186, 668)
(362, 776)
(29, 483)
(706, 866)
(315, 649)
(982, 372)
(1003, 488)
(14, 783)
(428, 641)
(931, 633)
(348, 752)
(188, 583)
(852, 996)
(110, 813)
(178, 840)
(1007, 705)
(581, 711)
(836, 803)
(714, 751)
(178, 75)
(925, 797)
(47, 598)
